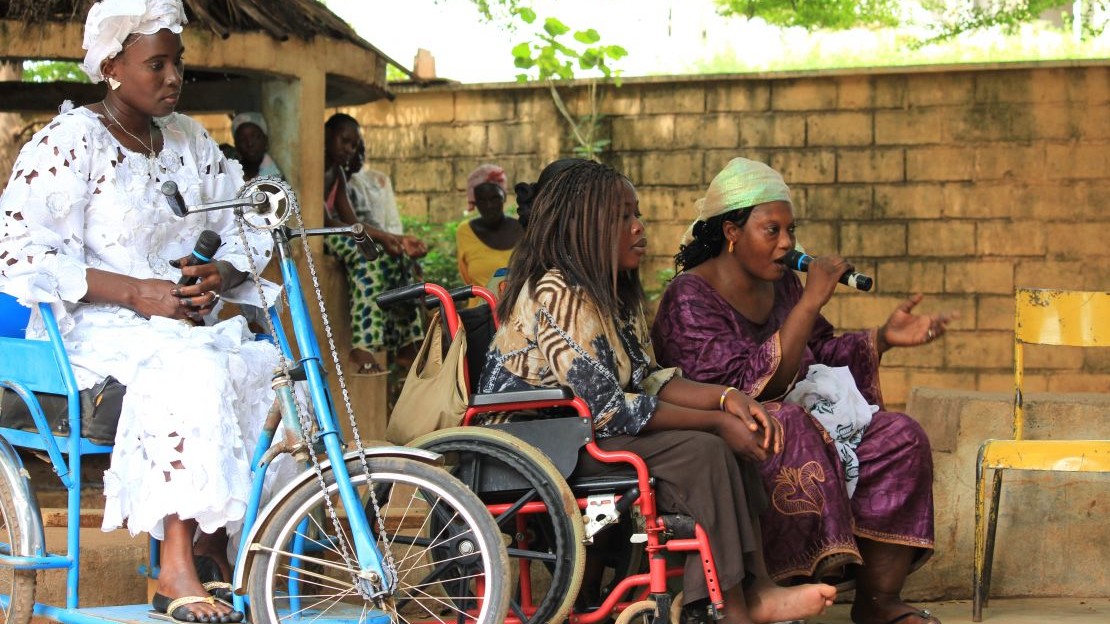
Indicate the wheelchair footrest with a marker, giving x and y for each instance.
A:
(45, 562)
(678, 526)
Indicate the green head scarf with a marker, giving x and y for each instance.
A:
(742, 183)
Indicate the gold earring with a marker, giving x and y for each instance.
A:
(731, 244)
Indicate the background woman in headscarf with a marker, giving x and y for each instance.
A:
(85, 227)
(485, 243)
(736, 315)
(252, 144)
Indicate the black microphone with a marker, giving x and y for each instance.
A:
(800, 262)
(207, 244)
(174, 198)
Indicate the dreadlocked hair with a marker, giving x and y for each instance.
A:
(575, 223)
(709, 237)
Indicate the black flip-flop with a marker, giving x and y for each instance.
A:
(212, 578)
(177, 610)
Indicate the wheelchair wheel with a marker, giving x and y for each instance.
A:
(449, 557)
(17, 585)
(477, 456)
(643, 612)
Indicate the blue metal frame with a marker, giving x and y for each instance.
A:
(44, 367)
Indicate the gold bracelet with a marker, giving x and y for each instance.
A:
(725, 394)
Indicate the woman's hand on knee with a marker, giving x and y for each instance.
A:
(742, 440)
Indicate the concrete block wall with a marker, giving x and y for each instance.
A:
(960, 183)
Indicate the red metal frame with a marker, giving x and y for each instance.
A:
(655, 580)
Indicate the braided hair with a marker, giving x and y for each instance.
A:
(574, 226)
(709, 237)
(526, 191)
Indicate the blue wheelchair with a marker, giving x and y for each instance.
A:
(361, 534)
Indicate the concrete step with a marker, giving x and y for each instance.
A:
(109, 568)
(1002, 611)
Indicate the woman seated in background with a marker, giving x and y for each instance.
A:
(573, 317)
(485, 243)
(348, 202)
(252, 144)
(856, 495)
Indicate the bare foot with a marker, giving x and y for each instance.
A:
(768, 602)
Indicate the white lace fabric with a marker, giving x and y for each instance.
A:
(196, 396)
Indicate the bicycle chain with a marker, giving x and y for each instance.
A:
(306, 423)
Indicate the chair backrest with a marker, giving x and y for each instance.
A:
(13, 317)
(1055, 317)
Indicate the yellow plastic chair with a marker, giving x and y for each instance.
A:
(1048, 317)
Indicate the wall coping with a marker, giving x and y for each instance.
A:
(408, 87)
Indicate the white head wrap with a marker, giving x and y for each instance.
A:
(251, 118)
(741, 184)
(112, 21)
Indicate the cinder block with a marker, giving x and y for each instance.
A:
(864, 311)
(839, 128)
(619, 101)
(979, 276)
(450, 141)
(644, 133)
(414, 205)
(422, 175)
(1011, 238)
(677, 168)
(738, 96)
(672, 98)
(512, 138)
(994, 312)
(1076, 241)
(908, 201)
(1025, 162)
(471, 106)
(939, 163)
(772, 130)
(1055, 121)
(872, 239)
(941, 238)
(871, 165)
(445, 207)
(913, 126)
(984, 200)
(985, 122)
(393, 142)
(1066, 382)
(922, 356)
(855, 92)
(657, 204)
(707, 131)
(1077, 161)
(818, 237)
(412, 109)
(1041, 273)
(940, 89)
(978, 349)
(843, 201)
(805, 166)
(909, 276)
(803, 94)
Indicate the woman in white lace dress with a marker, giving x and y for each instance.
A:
(84, 226)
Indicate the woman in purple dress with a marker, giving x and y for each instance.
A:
(851, 494)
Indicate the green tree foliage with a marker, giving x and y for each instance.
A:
(53, 71)
(959, 16)
(815, 14)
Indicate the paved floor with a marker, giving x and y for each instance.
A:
(1005, 611)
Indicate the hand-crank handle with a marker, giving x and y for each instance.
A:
(366, 245)
(258, 201)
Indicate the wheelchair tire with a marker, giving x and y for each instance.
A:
(643, 612)
(18, 585)
(450, 559)
(469, 450)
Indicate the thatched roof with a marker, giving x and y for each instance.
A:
(282, 19)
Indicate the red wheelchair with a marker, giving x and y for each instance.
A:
(550, 516)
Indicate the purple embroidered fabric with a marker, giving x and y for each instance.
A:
(811, 526)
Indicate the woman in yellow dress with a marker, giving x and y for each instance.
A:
(485, 243)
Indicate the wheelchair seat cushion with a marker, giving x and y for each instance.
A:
(100, 410)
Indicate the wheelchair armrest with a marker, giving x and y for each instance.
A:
(520, 396)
